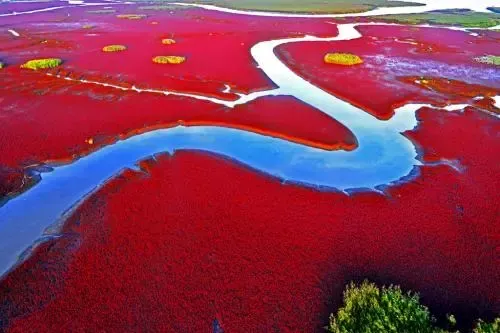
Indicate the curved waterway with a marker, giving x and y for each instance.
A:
(422, 7)
(383, 157)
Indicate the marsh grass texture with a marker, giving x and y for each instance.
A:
(346, 59)
(169, 60)
(45, 63)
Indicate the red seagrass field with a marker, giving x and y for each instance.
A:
(193, 240)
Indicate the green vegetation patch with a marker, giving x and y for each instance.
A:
(370, 309)
(346, 59)
(169, 60)
(489, 59)
(2, 65)
(114, 48)
(46, 63)
(466, 19)
(302, 6)
(483, 327)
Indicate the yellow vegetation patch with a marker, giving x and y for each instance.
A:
(169, 59)
(167, 41)
(87, 26)
(114, 48)
(42, 63)
(1, 65)
(131, 16)
(346, 59)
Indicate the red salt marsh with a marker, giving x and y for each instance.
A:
(391, 55)
(52, 119)
(59, 126)
(194, 241)
(255, 254)
(216, 46)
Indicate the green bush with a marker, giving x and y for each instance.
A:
(483, 327)
(368, 309)
(46, 63)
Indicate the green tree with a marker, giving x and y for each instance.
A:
(483, 327)
(369, 309)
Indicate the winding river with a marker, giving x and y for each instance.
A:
(383, 156)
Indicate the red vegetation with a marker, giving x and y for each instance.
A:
(173, 250)
(392, 56)
(193, 238)
(12, 181)
(50, 119)
(216, 45)
(458, 91)
(58, 126)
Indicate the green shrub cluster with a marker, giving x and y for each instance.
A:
(45, 63)
(370, 309)
(483, 327)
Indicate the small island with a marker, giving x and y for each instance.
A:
(169, 60)
(346, 59)
(45, 63)
(114, 48)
